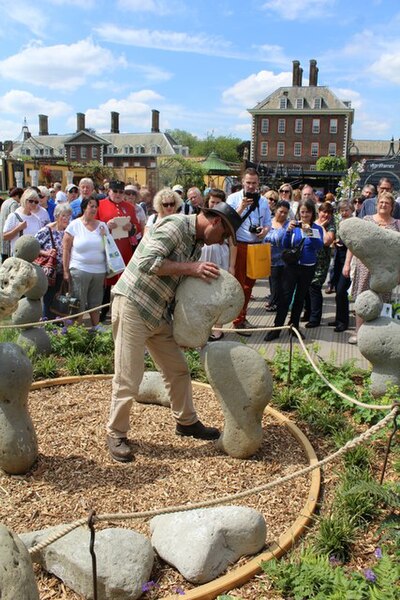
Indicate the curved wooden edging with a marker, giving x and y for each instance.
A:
(242, 574)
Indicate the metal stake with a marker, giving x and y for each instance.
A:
(92, 552)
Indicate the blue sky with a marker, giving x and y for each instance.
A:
(201, 63)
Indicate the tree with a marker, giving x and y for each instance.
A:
(177, 169)
(331, 163)
(183, 137)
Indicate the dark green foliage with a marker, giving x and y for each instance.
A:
(335, 537)
(44, 367)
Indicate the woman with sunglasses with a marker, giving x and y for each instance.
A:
(166, 202)
(23, 221)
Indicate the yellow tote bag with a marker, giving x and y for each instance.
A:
(258, 261)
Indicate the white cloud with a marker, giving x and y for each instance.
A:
(158, 7)
(25, 104)
(60, 67)
(248, 92)
(24, 13)
(135, 111)
(153, 73)
(348, 94)
(167, 40)
(82, 4)
(387, 66)
(302, 10)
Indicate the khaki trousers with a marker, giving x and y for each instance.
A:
(131, 337)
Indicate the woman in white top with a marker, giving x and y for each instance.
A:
(84, 259)
(223, 255)
(22, 221)
(166, 202)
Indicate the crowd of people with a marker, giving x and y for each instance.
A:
(173, 234)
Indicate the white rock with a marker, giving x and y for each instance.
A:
(199, 305)
(17, 579)
(201, 544)
(16, 277)
(152, 390)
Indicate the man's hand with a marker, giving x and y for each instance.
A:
(205, 270)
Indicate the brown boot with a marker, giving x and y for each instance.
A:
(119, 449)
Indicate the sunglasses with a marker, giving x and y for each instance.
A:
(358, 201)
(41, 196)
(75, 191)
(33, 201)
(118, 191)
(168, 204)
(285, 191)
(130, 193)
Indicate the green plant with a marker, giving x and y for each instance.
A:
(44, 367)
(335, 537)
(101, 363)
(360, 456)
(286, 398)
(318, 414)
(9, 334)
(78, 364)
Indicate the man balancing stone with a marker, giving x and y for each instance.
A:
(141, 310)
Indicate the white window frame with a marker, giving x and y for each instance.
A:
(297, 149)
(84, 152)
(95, 152)
(264, 125)
(264, 149)
(299, 103)
(283, 102)
(318, 103)
(332, 149)
(298, 126)
(72, 152)
(314, 149)
(281, 125)
(280, 149)
(333, 126)
(316, 126)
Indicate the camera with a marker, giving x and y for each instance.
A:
(255, 229)
(252, 196)
(298, 224)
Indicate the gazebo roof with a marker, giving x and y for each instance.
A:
(215, 165)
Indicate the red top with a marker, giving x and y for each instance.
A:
(108, 210)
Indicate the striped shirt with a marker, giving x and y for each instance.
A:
(172, 238)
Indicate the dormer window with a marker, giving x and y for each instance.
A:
(283, 102)
(299, 103)
(139, 150)
(318, 103)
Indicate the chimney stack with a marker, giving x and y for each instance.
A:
(43, 125)
(155, 121)
(313, 72)
(300, 77)
(80, 122)
(114, 122)
(295, 73)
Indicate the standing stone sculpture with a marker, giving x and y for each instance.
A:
(242, 383)
(17, 579)
(379, 337)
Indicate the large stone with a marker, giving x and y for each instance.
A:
(38, 290)
(242, 383)
(201, 544)
(377, 248)
(199, 305)
(124, 561)
(37, 338)
(152, 390)
(27, 248)
(379, 342)
(18, 442)
(16, 278)
(17, 579)
(28, 311)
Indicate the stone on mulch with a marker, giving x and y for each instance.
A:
(17, 579)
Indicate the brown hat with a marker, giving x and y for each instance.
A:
(229, 216)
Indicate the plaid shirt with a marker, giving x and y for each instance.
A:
(173, 238)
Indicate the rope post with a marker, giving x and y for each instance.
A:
(92, 552)
(395, 427)
(289, 377)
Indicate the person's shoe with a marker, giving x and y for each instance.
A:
(333, 324)
(119, 449)
(272, 335)
(198, 431)
(305, 318)
(329, 290)
(244, 325)
(353, 340)
(312, 325)
(340, 327)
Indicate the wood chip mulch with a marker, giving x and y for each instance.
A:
(75, 474)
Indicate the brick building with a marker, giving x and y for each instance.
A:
(296, 125)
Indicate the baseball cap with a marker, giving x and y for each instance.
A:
(178, 188)
(229, 216)
(131, 188)
(70, 187)
(117, 185)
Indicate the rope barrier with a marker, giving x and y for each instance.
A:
(57, 320)
(225, 499)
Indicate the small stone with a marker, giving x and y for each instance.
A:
(152, 390)
(368, 305)
(37, 338)
(27, 248)
(28, 311)
(17, 579)
(38, 290)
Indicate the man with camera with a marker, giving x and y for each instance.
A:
(256, 222)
